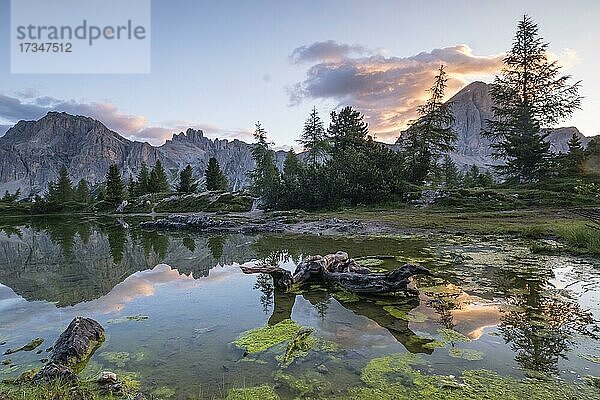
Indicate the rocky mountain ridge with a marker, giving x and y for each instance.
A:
(32, 152)
(472, 106)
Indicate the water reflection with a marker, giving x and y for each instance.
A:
(198, 301)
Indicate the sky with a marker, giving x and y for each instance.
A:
(221, 66)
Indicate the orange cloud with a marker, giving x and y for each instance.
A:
(389, 89)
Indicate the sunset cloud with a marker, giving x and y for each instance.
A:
(28, 105)
(386, 89)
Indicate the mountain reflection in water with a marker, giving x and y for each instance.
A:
(516, 311)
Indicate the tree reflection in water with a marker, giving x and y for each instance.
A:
(540, 324)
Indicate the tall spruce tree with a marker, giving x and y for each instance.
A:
(61, 191)
(82, 192)
(431, 134)
(215, 179)
(313, 138)
(142, 182)
(187, 183)
(265, 178)
(450, 172)
(575, 157)
(528, 95)
(158, 182)
(115, 189)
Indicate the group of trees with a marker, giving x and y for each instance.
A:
(344, 165)
(62, 195)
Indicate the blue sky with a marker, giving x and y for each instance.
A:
(223, 65)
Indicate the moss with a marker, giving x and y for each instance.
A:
(263, 392)
(466, 354)
(163, 392)
(411, 316)
(83, 390)
(260, 339)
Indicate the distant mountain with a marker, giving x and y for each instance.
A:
(32, 153)
(472, 106)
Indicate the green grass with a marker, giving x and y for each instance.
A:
(580, 237)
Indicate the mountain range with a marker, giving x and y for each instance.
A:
(32, 152)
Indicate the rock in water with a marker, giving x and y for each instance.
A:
(78, 342)
(72, 350)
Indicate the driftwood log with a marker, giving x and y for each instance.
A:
(340, 270)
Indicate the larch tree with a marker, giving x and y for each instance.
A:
(528, 96)
(265, 177)
(431, 134)
(313, 138)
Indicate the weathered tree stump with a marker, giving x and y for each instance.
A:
(340, 270)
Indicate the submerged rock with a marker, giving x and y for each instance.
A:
(35, 343)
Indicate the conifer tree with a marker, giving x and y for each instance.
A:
(187, 183)
(131, 188)
(450, 172)
(61, 191)
(115, 189)
(265, 176)
(313, 138)
(528, 95)
(215, 179)
(82, 192)
(158, 182)
(347, 129)
(575, 157)
(431, 134)
(142, 182)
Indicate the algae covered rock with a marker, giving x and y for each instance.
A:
(261, 339)
(78, 342)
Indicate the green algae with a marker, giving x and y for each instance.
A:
(34, 344)
(411, 316)
(298, 347)
(369, 262)
(451, 336)
(346, 297)
(394, 377)
(263, 392)
(127, 318)
(163, 392)
(466, 354)
(590, 358)
(310, 384)
(118, 358)
(435, 344)
(261, 339)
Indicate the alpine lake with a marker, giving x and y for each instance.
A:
(183, 322)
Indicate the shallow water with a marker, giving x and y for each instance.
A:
(492, 305)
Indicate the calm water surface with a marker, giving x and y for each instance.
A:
(522, 313)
